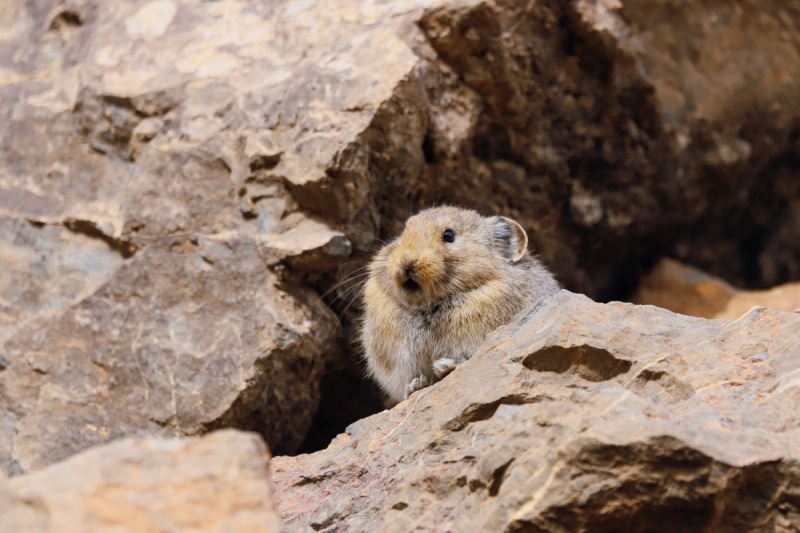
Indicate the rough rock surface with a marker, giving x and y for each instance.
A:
(578, 416)
(140, 291)
(214, 484)
(689, 291)
(616, 131)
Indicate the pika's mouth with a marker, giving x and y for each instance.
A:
(411, 286)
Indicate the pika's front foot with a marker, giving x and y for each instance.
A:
(443, 366)
(419, 382)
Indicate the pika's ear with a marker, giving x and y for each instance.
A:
(510, 237)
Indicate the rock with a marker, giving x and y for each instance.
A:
(187, 335)
(783, 298)
(217, 483)
(689, 291)
(306, 245)
(578, 416)
(142, 238)
(620, 130)
(684, 289)
(615, 132)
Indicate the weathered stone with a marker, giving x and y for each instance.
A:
(608, 134)
(306, 245)
(587, 121)
(186, 335)
(136, 296)
(784, 298)
(689, 291)
(217, 483)
(578, 416)
(616, 131)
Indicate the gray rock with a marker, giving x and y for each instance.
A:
(142, 234)
(187, 335)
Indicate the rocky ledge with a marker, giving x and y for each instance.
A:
(578, 416)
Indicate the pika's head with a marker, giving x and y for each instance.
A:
(445, 251)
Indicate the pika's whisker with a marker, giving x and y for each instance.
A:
(357, 275)
(340, 265)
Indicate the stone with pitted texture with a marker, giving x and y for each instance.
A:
(578, 416)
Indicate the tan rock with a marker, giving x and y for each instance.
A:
(306, 245)
(578, 416)
(684, 289)
(689, 291)
(219, 483)
(783, 298)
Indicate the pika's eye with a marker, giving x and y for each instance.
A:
(448, 235)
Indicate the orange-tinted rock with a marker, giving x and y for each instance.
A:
(782, 298)
(214, 484)
(689, 291)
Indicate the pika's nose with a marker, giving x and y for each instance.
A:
(408, 275)
(408, 268)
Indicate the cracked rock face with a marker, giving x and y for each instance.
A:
(147, 485)
(578, 416)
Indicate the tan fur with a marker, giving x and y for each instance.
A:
(455, 294)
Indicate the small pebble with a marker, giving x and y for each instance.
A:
(3, 363)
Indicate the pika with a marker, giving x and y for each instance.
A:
(436, 291)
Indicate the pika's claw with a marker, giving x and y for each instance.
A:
(419, 382)
(443, 366)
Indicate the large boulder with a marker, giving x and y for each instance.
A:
(189, 334)
(578, 416)
(212, 484)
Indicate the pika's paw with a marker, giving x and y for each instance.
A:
(443, 366)
(419, 382)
